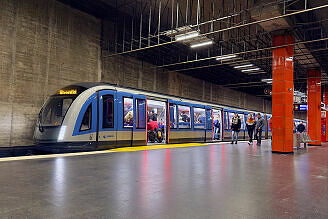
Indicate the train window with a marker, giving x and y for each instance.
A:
(141, 114)
(55, 110)
(184, 117)
(199, 118)
(173, 116)
(128, 112)
(108, 111)
(87, 118)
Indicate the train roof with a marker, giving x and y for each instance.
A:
(88, 85)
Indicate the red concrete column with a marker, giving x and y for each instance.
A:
(282, 94)
(325, 100)
(314, 106)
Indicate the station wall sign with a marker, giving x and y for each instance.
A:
(300, 107)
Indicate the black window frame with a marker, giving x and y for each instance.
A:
(193, 112)
(211, 119)
(80, 129)
(113, 110)
(176, 114)
(178, 117)
(137, 114)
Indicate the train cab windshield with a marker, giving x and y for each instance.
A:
(53, 112)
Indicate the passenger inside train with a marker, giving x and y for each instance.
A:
(156, 126)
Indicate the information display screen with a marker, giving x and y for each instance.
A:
(300, 107)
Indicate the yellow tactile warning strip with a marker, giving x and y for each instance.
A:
(154, 147)
(101, 152)
(34, 157)
(141, 148)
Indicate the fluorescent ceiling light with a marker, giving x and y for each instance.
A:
(226, 57)
(186, 36)
(206, 43)
(252, 69)
(268, 80)
(244, 66)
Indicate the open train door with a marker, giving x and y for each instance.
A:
(107, 119)
(157, 115)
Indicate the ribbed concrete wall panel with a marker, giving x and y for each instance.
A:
(44, 45)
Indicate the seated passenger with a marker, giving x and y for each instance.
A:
(152, 125)
(152, 115)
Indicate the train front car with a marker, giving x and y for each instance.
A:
(53, 122)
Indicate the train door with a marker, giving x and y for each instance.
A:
(172, 120)
(156, 119)
(125, 119)
(107, 124)
(217, 124)
(242, 135)
(209, 124)
(139, 126)
(198, 121)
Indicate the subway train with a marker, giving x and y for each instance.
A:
(96, 116)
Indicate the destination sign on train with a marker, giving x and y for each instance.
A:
(67, 92)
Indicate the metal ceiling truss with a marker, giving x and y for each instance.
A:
(148, 35)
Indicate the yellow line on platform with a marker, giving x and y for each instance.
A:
(154, 147)
(141, 148)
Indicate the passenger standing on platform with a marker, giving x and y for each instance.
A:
(300, 128)
(250, 125)
(235, 127)
(259, 128)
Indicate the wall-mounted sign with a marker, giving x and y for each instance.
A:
(300, 107)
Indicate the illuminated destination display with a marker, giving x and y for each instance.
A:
(67, 92)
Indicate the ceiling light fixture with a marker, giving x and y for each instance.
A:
(206, 43)
(243, 66)
(225, 57)
(268, 80)
(252, 69)
(186, 36)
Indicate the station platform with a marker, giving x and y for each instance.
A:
(220, 180)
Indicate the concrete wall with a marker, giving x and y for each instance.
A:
(44, 45)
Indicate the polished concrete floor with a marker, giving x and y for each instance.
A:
(214, 181)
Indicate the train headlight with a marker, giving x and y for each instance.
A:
(62, 133)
